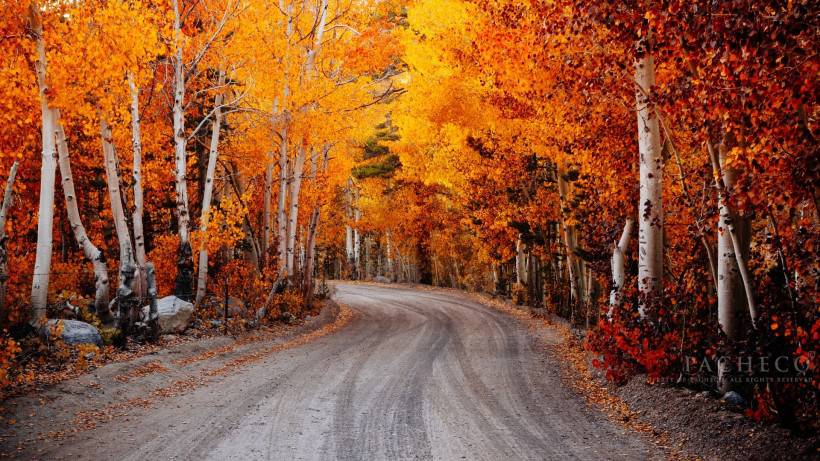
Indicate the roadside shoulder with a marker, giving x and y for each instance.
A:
(687, 424)
(115, 389)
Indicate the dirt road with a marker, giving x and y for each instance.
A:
(415, 375)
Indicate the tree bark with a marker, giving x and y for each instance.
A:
(126, 299)
(728, 225)
(91, 252)
(293, 214)
(184, 257)
(281, 215)
(349, 245)
(115, 195)
(357, 244)
(284, 160)
(573, 265)
(650, 209)
(310, 250)
(315, 216)
(619, 265)
(268, 196)
(48, 173)
(310, 62)
(4, 212)
(137, 215)
(391, 267)
(520, 277)
(207, 195)
(266, 210)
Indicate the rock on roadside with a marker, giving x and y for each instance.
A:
(174, 314)
(74, 332)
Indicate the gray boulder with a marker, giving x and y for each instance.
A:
(74, 332)
(174, 314)
(381, 279)
(734, 399)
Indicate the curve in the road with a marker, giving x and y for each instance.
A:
(415, 375)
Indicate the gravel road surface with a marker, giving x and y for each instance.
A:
(416, 374)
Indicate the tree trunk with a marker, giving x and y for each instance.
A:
(357, 245)
(266, 210)
(91, 252)
(730, 285)
(293, 215)
(310, 250)
(313, 224)
(317, 42)
(4, 212)
(349, 246)
(650, 209)
(573, 266)
(137, 216)
(126, 301)
(207, 195)
(619, 265)
(151, 292)
(391, 270)
(284, 160)
(115, 195)
(729, 225)
(268, 197)
(235, 180)
(185, 263)
(520, 277)
(48, 173)
(281, 215)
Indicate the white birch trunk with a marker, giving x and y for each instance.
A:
(391, 272)
(313, 225)
(266, 209)
(281, 215)
(357, 244)
(310, 256)
(207, 195)
(293, 215)
(284, 160)
(650, 209)
(90, 251)
(519, 261)
(137, 215)
(730, 286)
(299, 161)
(573, 268)
(349, 252)
(48, 173)
(619, 265)
(731, 245)
(267, 232)
(301, 241)
(185, 257)
(4, 212)
(180, 141)
(309, 247)
(310, 62)
(115, 196)
(349, 244)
